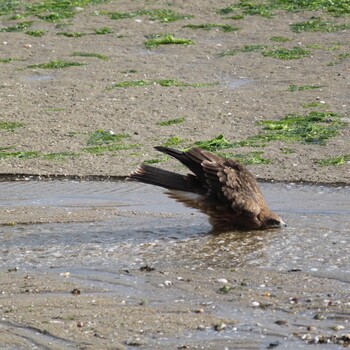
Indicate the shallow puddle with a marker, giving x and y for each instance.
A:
(104, 232)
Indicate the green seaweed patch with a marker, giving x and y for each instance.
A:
(245, 48)
(161, 82)
(250, 158)
(173, 141)
(7, 7)
(315, 104)
(251, 8)
(57, 10)
(280, 39)
(171, 121)
(59, 155)
(101, 141)
(162, 15)
(10, 126)
(101, 137)
(316, 128)
(267, 8)
(103, 31)
(332, 47)
(236, 17)
(71, 34)
(287, 54)
(18, 154)
(340, 58)
(56, 64)
(174, 82)
(337, 8)
(109, 148)
(208, 26)
(36, 33)
(318, 25)
(166, 40)
(89, 54)
(133, 83)
(313, 128)
(6, 153)
(294, 88)
(215, 144)
(338, 160)
(19, 27)
(10, 59)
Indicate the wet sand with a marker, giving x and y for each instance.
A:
(114, 271)
(116, 266)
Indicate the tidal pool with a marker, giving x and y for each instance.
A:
(106, 233)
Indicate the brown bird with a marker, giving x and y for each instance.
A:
(221, 188)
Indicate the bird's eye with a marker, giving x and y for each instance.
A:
(273, 223)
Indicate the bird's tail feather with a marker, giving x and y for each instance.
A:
(164, 178)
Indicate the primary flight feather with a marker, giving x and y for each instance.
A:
(221, 188)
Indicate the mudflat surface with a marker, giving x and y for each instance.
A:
(94, 265)
(61, 108)
(119, 266)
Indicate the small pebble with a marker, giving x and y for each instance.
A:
(281, 322)
(75, 291)
(168, 283)
(222, 280)
(80, 324)
(255, 303)
(220, 327)
(65, 274)
(199, 311)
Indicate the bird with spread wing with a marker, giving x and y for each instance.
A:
(221, 188)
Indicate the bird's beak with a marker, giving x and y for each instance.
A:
(283, 224)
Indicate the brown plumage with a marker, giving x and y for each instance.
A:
(222, 188)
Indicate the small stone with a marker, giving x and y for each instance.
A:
(199, 311)
(220, 327)
(80, 324)
(168, 283)
(222, 280)
(338, 327)
(281, 322)
(319, 317)
(75, 291)
(255, 304)
(65, 274)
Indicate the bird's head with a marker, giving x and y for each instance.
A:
(273, 221)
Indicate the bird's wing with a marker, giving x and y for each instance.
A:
(192, 159)
(234, 184)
